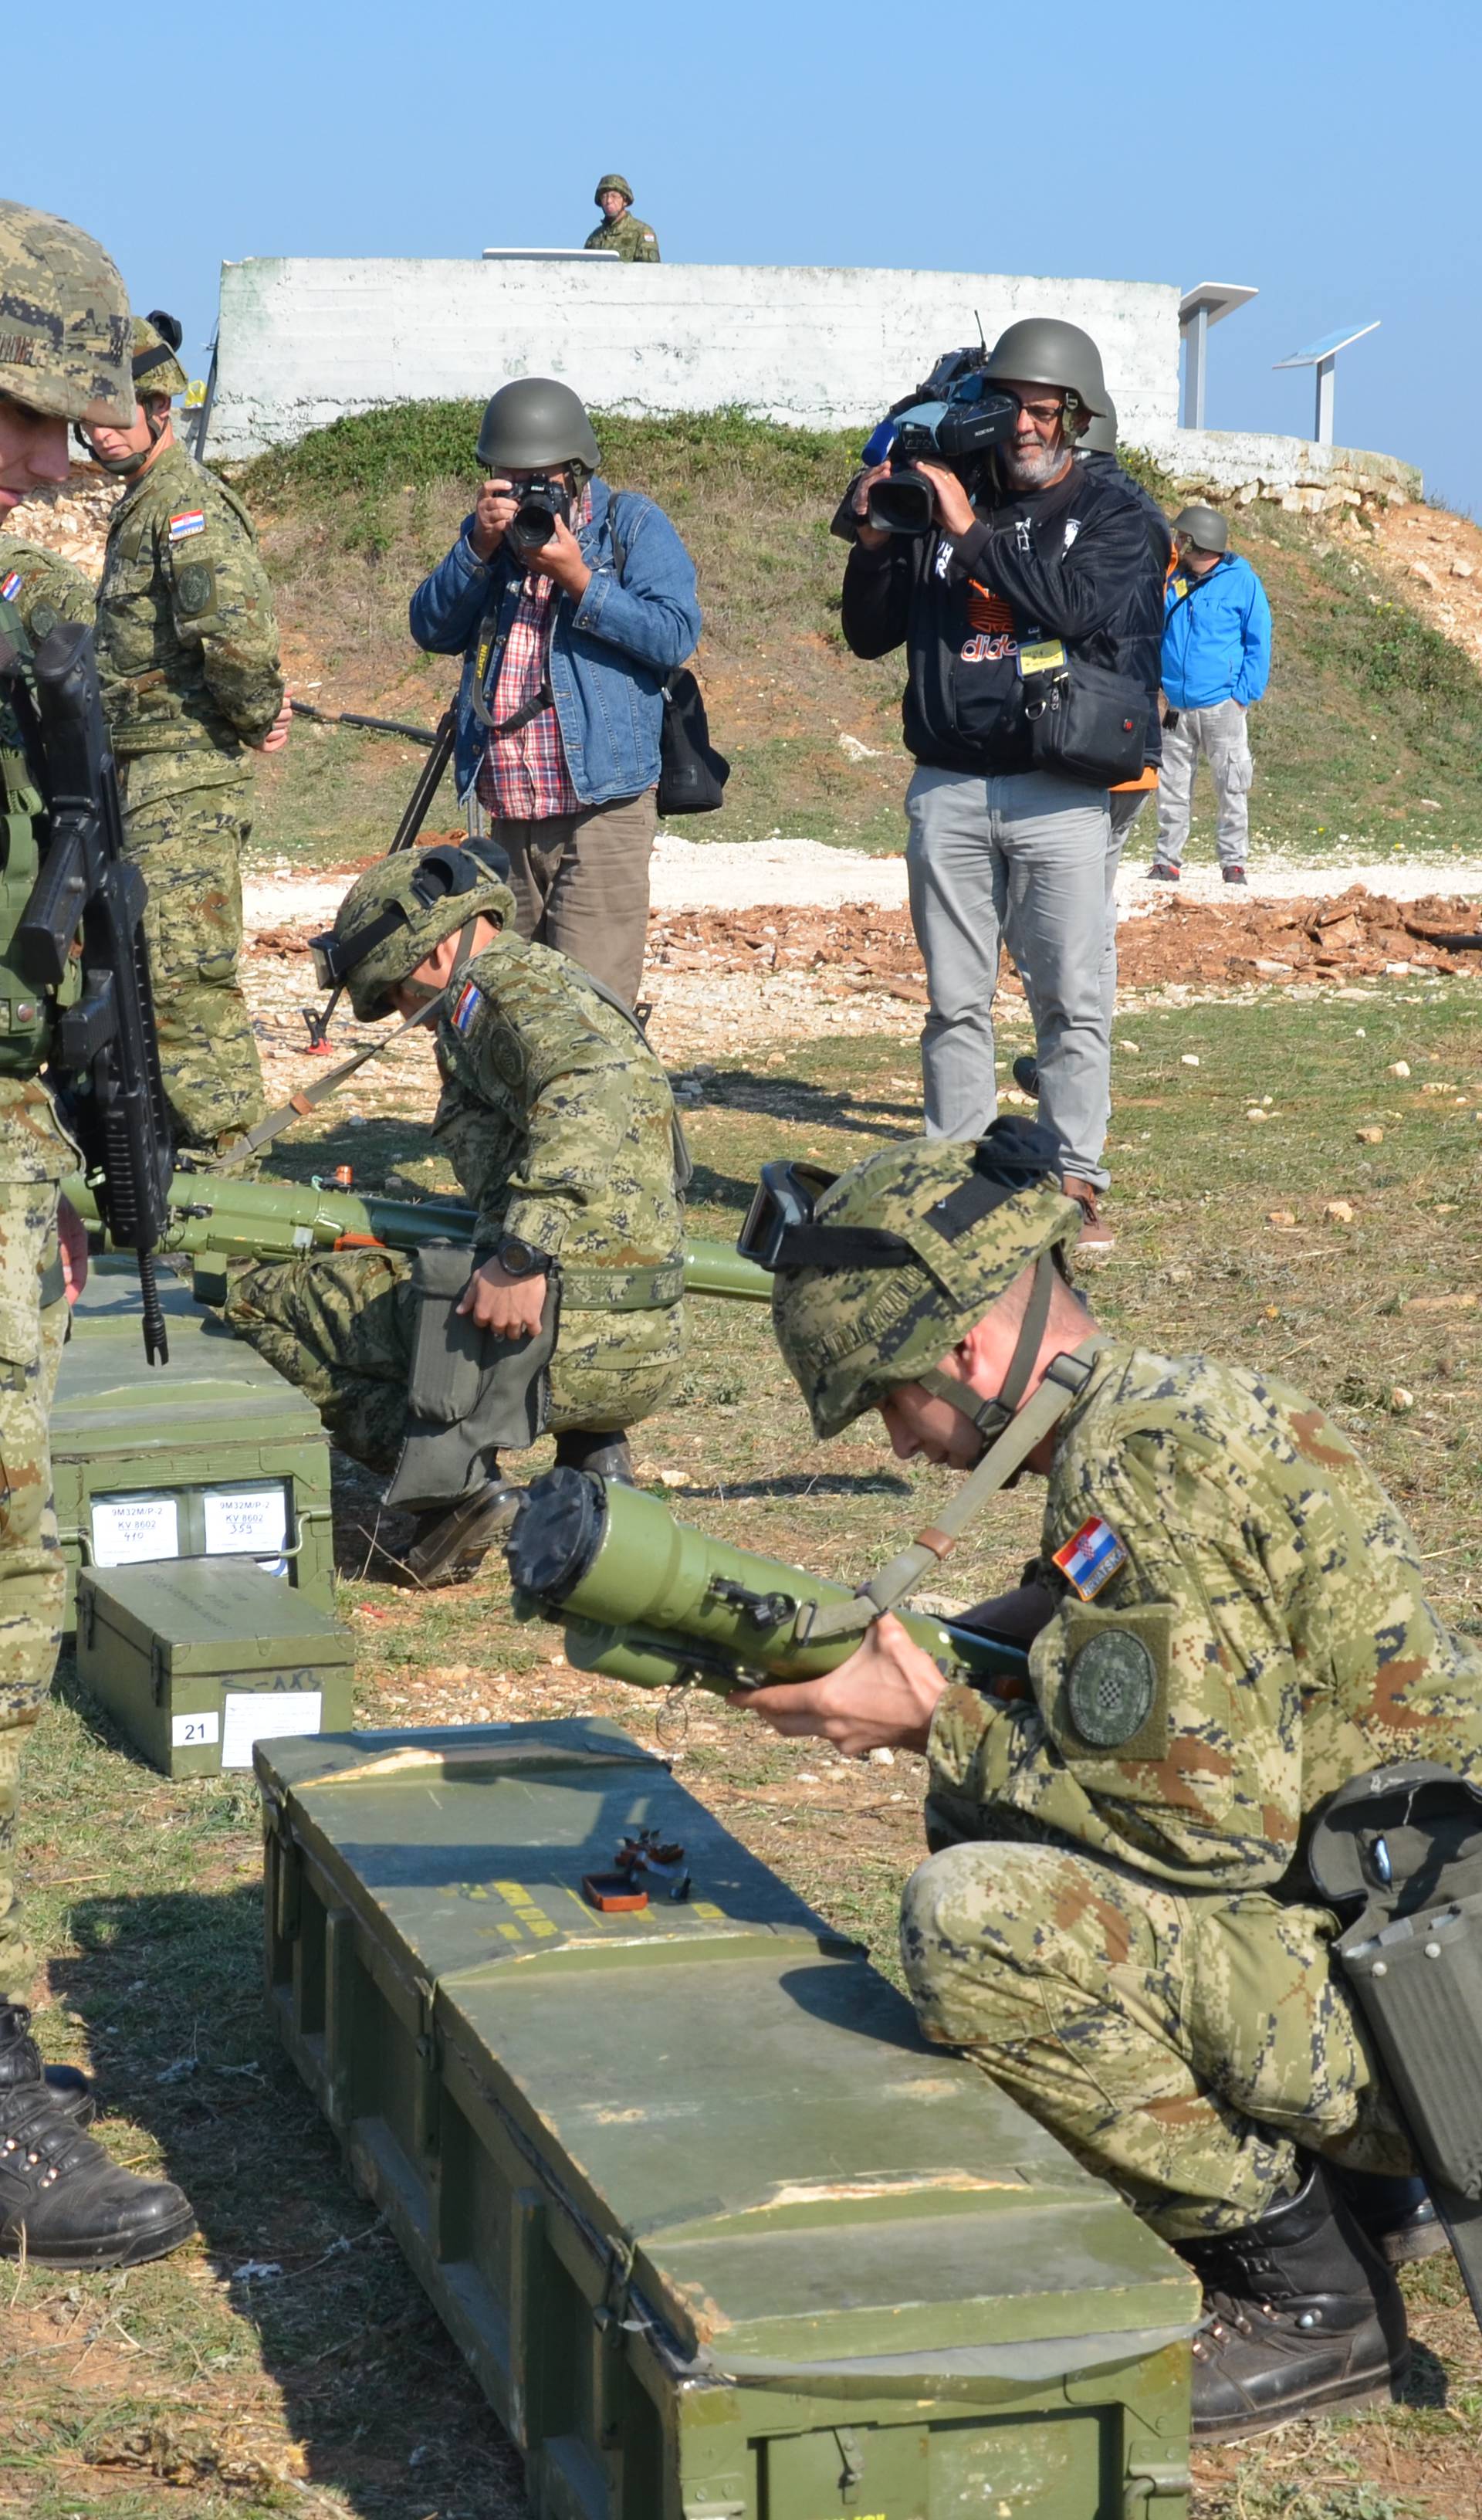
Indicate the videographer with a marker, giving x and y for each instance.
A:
(572, 604)
(1026, 699)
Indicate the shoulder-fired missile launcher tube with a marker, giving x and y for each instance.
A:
(214, 1217)
(649, 1600)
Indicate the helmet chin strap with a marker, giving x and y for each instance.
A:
(155, 421)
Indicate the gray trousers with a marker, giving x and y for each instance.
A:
(1220, 733)
(1021, 860)
(581, 884)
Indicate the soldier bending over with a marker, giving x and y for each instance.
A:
(559, 1124)
(1229, 1621)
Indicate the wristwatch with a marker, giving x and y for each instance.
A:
(522, 1259)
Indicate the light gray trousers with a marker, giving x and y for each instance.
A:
(1021, 860)
(1220, 733)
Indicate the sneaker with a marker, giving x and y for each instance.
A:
(1233, 873)
(1096, 1235)
(1025, 1072)
(1162, 871)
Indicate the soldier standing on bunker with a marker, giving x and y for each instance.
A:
(559, 1124)
(44, 588)
(620, 232)
(1228, 1620)
(187, 651)
(64, 356)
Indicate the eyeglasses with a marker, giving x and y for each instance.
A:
(786, 1196)
(1043, 413)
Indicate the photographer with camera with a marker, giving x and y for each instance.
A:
(574, 604)
(1012, 577)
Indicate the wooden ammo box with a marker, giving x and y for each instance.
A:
(211, 1455)
(721, 2237)
(197, 1660)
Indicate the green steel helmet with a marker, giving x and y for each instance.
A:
(613, 184)
(156, 338)
(1206, 527)
(534, 420)
(398, 913)
(1041, 350)
(1100, 436)
(934, 1233)
(64, 321)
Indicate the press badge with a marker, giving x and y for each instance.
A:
(1046, 658)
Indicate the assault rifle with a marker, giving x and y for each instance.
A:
(105, 1054)
(650, 1600)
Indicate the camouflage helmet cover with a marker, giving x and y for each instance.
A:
(851, 1336)
(64, 321)
(156, 370)
(613, 184)
(423, 885)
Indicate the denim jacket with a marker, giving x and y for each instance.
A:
(611, 654)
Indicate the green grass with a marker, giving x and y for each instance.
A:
(1369, 712)
(194, 2388)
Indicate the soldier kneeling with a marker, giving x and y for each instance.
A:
(559, 1123)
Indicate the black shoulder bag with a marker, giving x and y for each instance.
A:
(691, 774)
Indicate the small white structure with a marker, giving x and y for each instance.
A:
(1199, 307)
(1322, 355)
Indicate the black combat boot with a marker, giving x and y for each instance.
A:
(451, 1541)
(607, 1457)
(1396, 2213)
(1025, 1072)
(63, 2204)
(1300, 2314)
(21, 2062)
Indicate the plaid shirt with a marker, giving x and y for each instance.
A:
(524, 777)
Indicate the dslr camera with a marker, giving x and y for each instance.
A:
(955, 416)
(540, 502)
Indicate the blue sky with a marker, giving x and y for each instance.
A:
(1325, 155)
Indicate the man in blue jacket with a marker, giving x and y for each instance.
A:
(1216, 660)
(572, 603)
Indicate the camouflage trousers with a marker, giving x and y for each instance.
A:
(1184, 2049)
(188, 845)
(33, 1316)
(342, 1324)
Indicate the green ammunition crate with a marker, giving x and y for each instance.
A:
(720, 2236)
(213, 1454)
(197, 1658)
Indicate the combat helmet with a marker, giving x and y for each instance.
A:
(1206, 527)
(533, 421)
(398, 913)
(64, 321)
(613, 184)
(885, 1269)
(1042, 350)
(157, 369)
(1099, 436)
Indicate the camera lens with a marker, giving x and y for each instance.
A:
(901, 504)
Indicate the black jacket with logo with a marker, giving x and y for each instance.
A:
(1070, 564)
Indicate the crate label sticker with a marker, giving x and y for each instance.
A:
(196, 1731)
(245, 1522)
(129, 1530)
(265, 1715)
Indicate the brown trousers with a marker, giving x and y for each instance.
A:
(581, 884)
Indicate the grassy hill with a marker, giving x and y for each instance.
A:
(1369, 710)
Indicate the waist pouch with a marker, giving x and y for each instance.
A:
(1088, 722)
(1400, 1853)
(469, 1394)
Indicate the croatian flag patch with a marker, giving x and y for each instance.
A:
(1090, 1557)
(470, 1000)
(191, 521)
(10, 587)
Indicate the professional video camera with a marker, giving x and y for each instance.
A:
(955, 416)
(540, 502)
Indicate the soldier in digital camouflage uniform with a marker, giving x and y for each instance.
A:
(620, 232)
(1229, 1619)
(43, 587)
(64, 357)
(559, 1121)
(188, 647)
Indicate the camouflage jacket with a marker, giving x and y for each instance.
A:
(187, 643)
(1263, 1635)
(557, 1118)
(33, 1147)
(629, 237)
(44, 588)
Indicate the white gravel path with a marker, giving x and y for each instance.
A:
(740, 874)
